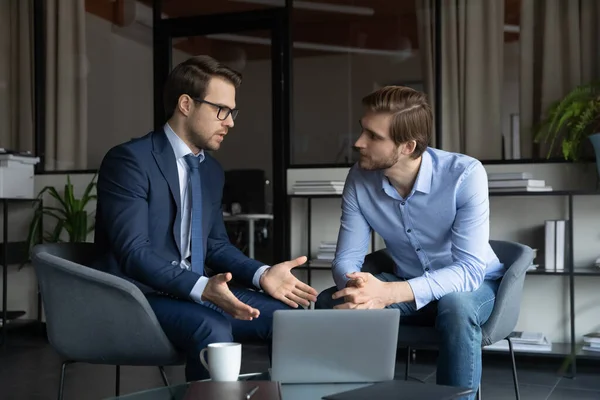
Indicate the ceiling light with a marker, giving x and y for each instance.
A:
(311, 46)
(309, 5)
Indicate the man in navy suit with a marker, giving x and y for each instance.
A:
(159, 223)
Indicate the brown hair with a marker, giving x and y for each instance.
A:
(411, 114)
(191, 77)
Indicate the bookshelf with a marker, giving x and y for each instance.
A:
(558, 349)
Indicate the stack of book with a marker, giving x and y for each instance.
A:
(516, 182)
(318, 187)
(325, 255)
(555, 241)
(524, 342)
(592, 342)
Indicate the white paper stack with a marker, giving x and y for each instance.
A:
(325, 255)
(516, 182)
(524, 342)
(318, 187)
(326, 251)
(592, 342)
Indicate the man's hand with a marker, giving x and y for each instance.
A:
(279, 282)
(364, 291)
(217, 292)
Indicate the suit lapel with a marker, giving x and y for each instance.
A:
(165, 158)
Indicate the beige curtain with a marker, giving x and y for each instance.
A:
(16, 75)
(471, 61)
(66, 85)
(560, 49)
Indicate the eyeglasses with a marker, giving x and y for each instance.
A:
(223, 111)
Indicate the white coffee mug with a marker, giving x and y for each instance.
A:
(224, 361)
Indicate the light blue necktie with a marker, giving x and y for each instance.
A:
(196, 237)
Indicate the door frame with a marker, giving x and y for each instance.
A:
(275, 20)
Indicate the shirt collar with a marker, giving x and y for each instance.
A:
(423, 182)
(179, 147)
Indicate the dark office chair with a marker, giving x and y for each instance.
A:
(95, 317)
(517, 258)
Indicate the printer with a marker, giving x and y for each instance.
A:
(17, 175)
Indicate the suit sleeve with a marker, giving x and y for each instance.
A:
(123, 188)
(221, 254)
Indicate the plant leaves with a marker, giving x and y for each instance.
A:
(52, 192)
(570, 120)
(57, 231)
(87, 196)
(68, 216)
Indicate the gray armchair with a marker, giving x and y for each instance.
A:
(95, 317)
(517, 258)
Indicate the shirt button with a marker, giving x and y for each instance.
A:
(426, 269)
(403, 203)
(408, 230)
(418, 249)
(174, 263)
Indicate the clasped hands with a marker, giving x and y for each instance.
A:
(277, 281)
(364, 291)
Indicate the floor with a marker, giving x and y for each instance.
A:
(30, 370)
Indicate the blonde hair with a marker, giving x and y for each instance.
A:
(412, 118)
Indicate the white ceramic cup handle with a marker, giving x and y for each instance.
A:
(202, 360)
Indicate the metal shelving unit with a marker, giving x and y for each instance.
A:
(309, 198)
(558, 349)
(11, 319)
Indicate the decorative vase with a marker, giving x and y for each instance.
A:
(595, 139)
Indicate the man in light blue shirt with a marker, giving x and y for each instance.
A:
(431, 208)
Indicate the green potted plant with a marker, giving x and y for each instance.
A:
(71, 221)
(571, 120)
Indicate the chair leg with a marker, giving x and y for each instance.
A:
(164, 376)
(406, 371)
(61, 385)
(118, 380)
(166, 382)
(514, 368)
(479, 392)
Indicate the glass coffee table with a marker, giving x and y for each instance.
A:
(300, 391)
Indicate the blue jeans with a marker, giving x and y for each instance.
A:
(458, 318)
(191, 326)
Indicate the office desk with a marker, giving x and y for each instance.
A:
(250, 218)
(409, 390)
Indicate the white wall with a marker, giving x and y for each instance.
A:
(545, 303)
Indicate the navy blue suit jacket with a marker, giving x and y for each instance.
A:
(138, 219)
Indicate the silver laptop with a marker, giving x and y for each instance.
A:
(334, 346)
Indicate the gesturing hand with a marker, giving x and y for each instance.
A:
(218, 293)
(279, 282)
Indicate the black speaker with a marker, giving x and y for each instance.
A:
(246, 187)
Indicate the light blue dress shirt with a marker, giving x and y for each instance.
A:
(438, 236)
(180, 149)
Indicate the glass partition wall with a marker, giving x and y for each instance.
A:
(253, 154)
